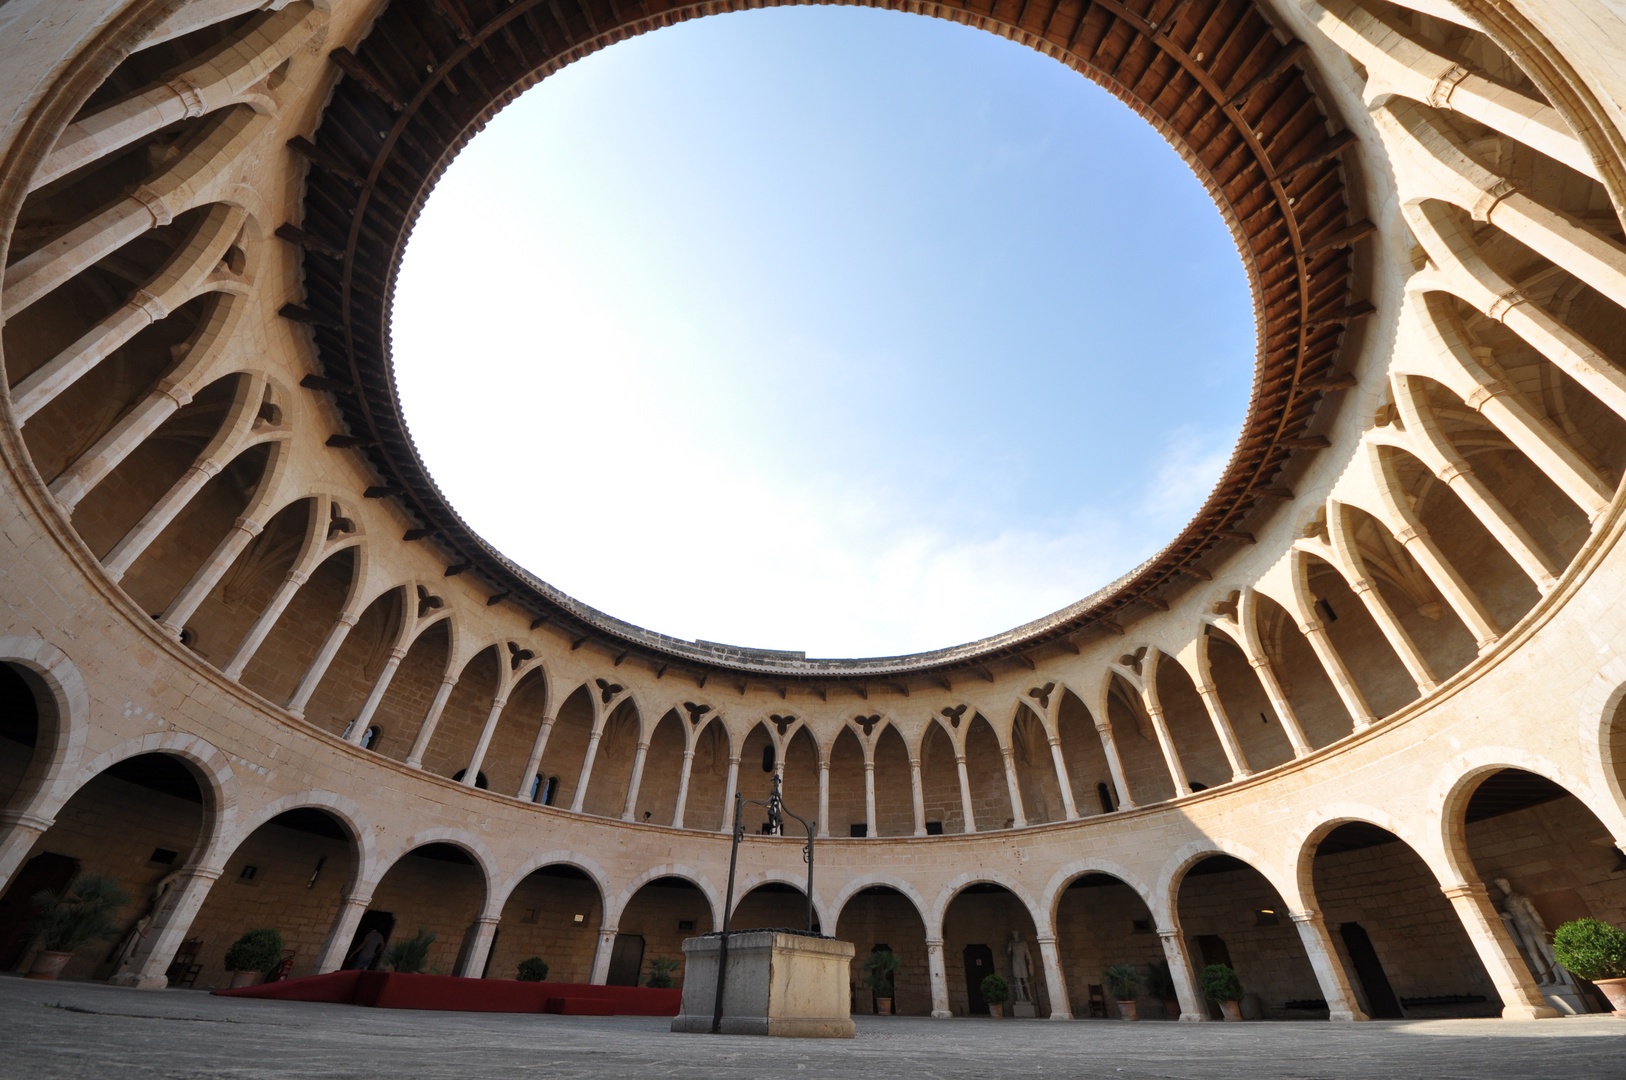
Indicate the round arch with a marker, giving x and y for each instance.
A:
(821, 911)
(473, 846)
(576, 860)
(1165, 897)
(64, 702)
(346, 811)
(612, 916)
(947, 894)
(1050, 899)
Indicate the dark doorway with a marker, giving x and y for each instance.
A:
(626, 960)
(1213, 950)
(1380, 996)
(46, 872)
(383, 922)
(979, 964)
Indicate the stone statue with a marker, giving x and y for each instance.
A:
(124, 957)
(1021, 967)
(1529, 933)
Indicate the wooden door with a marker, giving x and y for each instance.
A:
(626, 960)
(979, 964)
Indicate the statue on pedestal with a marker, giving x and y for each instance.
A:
(1021, 968)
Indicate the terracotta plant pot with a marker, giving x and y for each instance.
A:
(240, 979)
(883, 1006)
(1615, 991)
(48, 964)
(1232, 1010)
(996, 1011)
(1127, 1010)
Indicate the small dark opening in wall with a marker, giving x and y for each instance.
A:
(934, 828)
(1326, 609)
(248, 873)
(859, 829)
(162, 855)
(685, 926)
(1197, 785)
(550, 790)
(1104, 794)
(768, 758)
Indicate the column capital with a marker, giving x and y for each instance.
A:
(934, 943)
(298, 577)
(37, 822)
(448, 680)
(1307, 915)
(1311, 626)
(488, 920)
(1170, 933)
(250, 526)
(398, 655)
(498, 702)
(1483, 393)
(1044, 939)
(348, 618)
(1473, 889)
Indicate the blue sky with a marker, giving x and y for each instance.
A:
(831, 329)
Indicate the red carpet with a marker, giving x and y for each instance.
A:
(386, 990)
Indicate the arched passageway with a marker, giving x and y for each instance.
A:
(1101, 921)
(978, 929)
(436, 887)
(881, 917)
(1401, 943)
(21, 730)
(554, 913)
(772, 904)
(140, 821)
(1232, 914)
(290, 874)
(704, 806)
(654, 925)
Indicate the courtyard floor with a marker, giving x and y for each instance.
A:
(92, 1030)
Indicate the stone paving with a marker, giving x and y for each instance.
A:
(83, 1030)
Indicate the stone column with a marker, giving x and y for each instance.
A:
(1069, 804)
(474, 960)
(869, 797)
(337, 943)
(1115, 765)
(375, 696)
(108, 452)
(20, 830)
(1227, 734)
(208, 576)
(262, 626)
(534, 762)
(636, 781)
(167, 509)
(471, 775)
(1171, 756)
(587, 771)
(1395, 634)
(169, 928)
(1501, 524)
(1445, 578)
(1315, 632)
(1185, 980)
(601, 957)
(1055, 981)
(918, 793)
(683, 788)
(965, 793)
(426, 730)
(939, 977)
(1329, 970)
(324, 658)
(1521, 1000)
(728, 793)
(1278, 701)
(1012, 785)
(824, 796)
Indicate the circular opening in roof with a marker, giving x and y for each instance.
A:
(825, 329)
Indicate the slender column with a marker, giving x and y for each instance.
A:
(917, 792)
(324, 658)
(1115, 764)
(145, 531)
(1329, 971)
(1185, 981)
(474, 960)
(262, 626)
(169, 927)
(1171, 756)
(939, 978)
(342, 932)
(1554, 457)
(1360, 712)
(1227, 734)
(208, 576)
(1446, 579)
(108, 452)
(1055, 982)
(471, 775)
(1398, 639)
(869, 798)
(1069, 804)
(1521, 1000)
(33, 276)
(534, 762)
(1501, 524)
(18, 831)
(965, 793)
(46, 383)
(587, 771)
(426, 730)
(1278, 701)
(1018, 818)
(824, 797)
(601, 958)
(638, 759)
(728, 796)
(683, 788)
(380, 685)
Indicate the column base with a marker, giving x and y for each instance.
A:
(137, 981)
(1529, 1012)
(1347, 1016)
(1193, 1018)
(942, 1014)
(1060, 1016)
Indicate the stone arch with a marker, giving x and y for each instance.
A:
(821, 911)
(1053, 889)
(1165, 895)
(64, 707)
(346, 811)
(1602, 735)
(688, 873)
(858, 884)
(472, 845)
(946, 895)
(1332, 817)
(558, 857)
(208, 765)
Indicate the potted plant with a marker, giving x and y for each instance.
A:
(660, 973)
(1122, 980)
(879, 968)
(409, 957)
(533, 969)
(1160, 984)
(68, 921)
(996, 992)
(1595, 951)
(252, 955)
(1221, 984)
